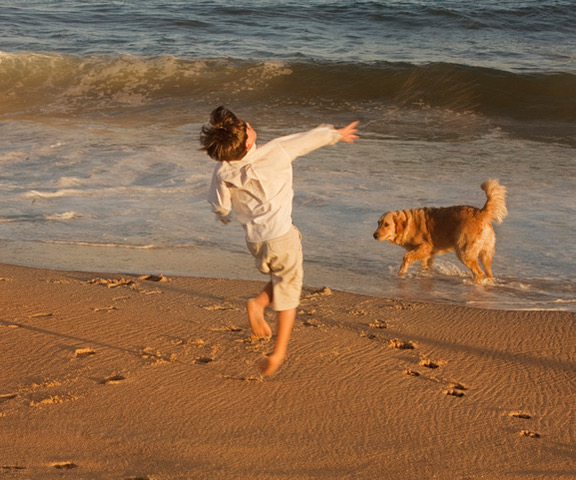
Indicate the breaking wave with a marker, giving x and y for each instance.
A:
(59, 84)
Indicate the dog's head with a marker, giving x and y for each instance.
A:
(390, 225)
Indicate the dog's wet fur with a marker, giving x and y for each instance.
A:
(426, 232)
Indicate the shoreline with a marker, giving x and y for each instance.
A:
(439, 288)
(122, 376)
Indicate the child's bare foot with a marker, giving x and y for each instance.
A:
(258, 323)
(268, 366)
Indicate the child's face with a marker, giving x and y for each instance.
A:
(251, 140)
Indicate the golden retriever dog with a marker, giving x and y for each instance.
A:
(426, 232)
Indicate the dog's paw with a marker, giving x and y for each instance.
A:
(402, 272)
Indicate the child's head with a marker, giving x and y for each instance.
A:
(224, 139)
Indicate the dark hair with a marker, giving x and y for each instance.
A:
(224, 139)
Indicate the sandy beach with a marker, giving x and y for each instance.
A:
(151, 377)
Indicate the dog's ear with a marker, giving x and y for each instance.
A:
(400, 222)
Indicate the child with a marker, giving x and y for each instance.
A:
(256, 182)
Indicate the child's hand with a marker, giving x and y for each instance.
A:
(348, 133)
(225, 219)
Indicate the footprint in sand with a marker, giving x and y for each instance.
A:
(41, 315)
(428, 363)
(528, 433)
(454, 389)
(522, 415)
(216, 308)
(105, 309)
(204, 360)
(156, 357)
(250, 378)
(154, 278)
(112, 282)
(84, 352)
(401, 345)
(378, 324)
(7, 396)
(227, 328)
(312, 322)
(53, 400)
(453, 392)
(324, 292)
(458, 386)
(113, 380)
(64, 465)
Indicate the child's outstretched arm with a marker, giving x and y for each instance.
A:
(348, 133)
(299, 144)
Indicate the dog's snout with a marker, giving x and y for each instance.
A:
(375, 235)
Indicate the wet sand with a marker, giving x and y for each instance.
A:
(150, 377)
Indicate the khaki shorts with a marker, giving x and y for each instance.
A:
(282, 258)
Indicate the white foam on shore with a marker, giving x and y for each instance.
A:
(123, 186)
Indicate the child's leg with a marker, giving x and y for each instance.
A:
(269, 365)
(282, 258)
(256, 307)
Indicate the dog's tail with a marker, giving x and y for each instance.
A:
(495, 208)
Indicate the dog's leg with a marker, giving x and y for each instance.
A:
(428, 263)
(487, 252)
(474, 266)
(423, 252)
(486, 259)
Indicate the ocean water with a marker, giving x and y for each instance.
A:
(101, 105)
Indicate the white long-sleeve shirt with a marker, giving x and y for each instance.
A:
(259, 187)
